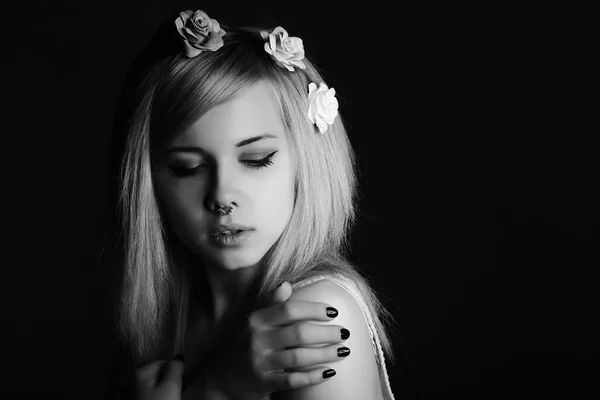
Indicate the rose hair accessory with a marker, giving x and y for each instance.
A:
(200, 33)
(287, 51)
(322, 106)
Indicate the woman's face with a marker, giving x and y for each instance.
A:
(238, 152)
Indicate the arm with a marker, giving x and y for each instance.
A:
(258, 356)
(357, 376)
(205, 387)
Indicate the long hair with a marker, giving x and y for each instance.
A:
(165, 93)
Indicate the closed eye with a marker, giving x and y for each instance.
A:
(254, 164)
(262, 163)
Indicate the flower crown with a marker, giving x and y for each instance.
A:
(201, 33)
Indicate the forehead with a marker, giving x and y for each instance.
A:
(254, 110)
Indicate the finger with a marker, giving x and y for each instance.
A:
(174, 372)
(302, 334)
(282, 293)
(146, 375)
(304, 357)
(292, 311)
(297, 380)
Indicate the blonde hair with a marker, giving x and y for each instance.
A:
(172, 93)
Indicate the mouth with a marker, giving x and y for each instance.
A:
(232, 237)
(227, 232)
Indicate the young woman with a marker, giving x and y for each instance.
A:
(236, 193)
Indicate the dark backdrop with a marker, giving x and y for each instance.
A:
(474, 127)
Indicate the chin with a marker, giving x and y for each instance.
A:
(232, 259)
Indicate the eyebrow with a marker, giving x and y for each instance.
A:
(255, 139)
(193, 149)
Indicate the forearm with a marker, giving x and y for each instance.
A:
(204, 387)
(217, 388)
(212, 389)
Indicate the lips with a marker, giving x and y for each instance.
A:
(229, 232)
(229, 229)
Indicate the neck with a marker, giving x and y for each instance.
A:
(227, 288)
(214, 290)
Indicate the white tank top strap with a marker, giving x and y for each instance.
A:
(351, 288)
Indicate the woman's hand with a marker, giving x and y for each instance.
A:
(159, 380)
(277, 339)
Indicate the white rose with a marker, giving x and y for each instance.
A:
(322, 106)
(286, 50)
(199, 31)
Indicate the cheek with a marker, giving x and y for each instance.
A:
(277, 201)
(178, 201)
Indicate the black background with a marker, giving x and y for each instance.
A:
(474, 125)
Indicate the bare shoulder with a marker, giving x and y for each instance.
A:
(357, 376)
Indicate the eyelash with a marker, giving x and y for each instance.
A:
(254, 164)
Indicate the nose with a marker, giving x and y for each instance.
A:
(222, 188)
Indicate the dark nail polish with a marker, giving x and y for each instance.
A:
(343, 352)
(332, 312)
(329, 373)
(179, 357)
(345, 333)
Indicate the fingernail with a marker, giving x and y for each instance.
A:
(179, 357)
(345, 333)
(329, 373)
(332, 312)
(343, 352)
